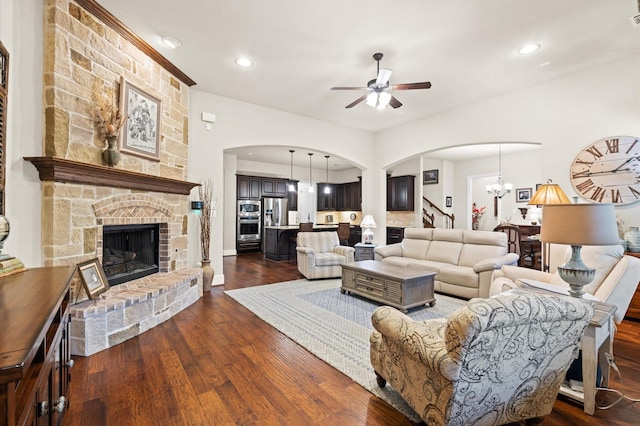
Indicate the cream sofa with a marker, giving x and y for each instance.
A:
(320, 254)
(615, 281)
(462, 260)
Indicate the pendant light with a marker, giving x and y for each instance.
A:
(292, 187)
(499, 188)
(310, 179)
(327, 188)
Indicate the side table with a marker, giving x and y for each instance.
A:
(597, 340)
(364, 251)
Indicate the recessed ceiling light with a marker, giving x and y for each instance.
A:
(529, 48)
(244, 62)
(171, 42)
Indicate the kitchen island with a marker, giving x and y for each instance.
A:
(279, 241)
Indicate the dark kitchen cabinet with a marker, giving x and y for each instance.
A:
(249, 187)
(327, 201)
(292, 196)
(400, 193)
(394, 234)
(355, 235)
(349, 198)
(272, 186)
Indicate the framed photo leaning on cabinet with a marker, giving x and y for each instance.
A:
(93, 278)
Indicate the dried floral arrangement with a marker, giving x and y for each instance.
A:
(206, 196)
(107, 115)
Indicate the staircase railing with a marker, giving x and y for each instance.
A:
(428, 219)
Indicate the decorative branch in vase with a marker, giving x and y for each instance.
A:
(109, 120)
(205, 191)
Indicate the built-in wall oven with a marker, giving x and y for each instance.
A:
(249, 218)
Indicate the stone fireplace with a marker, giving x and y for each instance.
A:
(79, 201)
(130, 251)
(88, 56)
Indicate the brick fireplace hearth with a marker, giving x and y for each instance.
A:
(78, 201)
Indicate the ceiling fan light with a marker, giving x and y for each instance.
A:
(372, 99)
(383, 100)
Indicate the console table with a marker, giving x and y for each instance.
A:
(34, 346)
(597, 340)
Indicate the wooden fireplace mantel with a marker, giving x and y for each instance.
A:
(68, 171)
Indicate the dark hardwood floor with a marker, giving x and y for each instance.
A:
(216, 363)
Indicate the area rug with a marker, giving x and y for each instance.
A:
(334, 327)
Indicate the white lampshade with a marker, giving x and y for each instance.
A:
(579, 224)
(368, 222)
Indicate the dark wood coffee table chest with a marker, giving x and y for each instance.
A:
(397, 286)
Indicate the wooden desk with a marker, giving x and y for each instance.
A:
(34, 346)
(634, 307)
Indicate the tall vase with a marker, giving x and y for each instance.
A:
(207, 274)
(110, 155)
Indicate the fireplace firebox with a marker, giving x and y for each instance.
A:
(130, 252)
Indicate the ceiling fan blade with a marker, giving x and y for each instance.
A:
(348, 88)
(357, 101)
(409, 86)
(383, 76)
(395, 103)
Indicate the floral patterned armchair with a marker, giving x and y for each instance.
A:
(492, 362)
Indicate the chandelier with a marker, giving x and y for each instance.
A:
(499, 188)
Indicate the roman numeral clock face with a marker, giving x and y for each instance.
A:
(608, 171)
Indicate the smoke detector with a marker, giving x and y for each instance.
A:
(635, 20)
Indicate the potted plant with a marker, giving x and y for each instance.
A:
(206, 196)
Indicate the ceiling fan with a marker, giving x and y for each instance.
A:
(378, 96)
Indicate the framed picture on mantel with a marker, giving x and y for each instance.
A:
(141, 133)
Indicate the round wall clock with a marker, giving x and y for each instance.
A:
(608, 171)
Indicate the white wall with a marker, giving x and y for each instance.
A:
(242, 124)
(564, 115)
(21, 33)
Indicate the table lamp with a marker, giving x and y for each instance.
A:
(548, 193)
(367, 223)
(579, 225)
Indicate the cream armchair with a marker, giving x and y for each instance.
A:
(492, 362)
(320, 254)
(615, 282)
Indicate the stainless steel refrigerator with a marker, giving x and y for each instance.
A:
(274, 213)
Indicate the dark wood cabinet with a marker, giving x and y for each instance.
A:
(633, 312)
(249, 188)
(394, 234)
(355, 235)
(327, 201)
(254, 187)
(348, 196)
(292, 196)
(400, 193)
(272, 186)
(35, 353)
